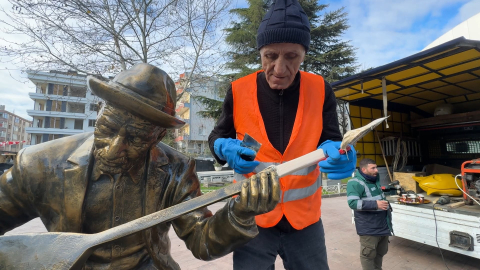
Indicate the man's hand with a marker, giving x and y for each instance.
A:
(229, 149)
(337, 166)
(382, 205)
(260, 194)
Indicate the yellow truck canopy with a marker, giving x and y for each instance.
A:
(447, 73)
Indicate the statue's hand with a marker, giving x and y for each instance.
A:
(260, 194)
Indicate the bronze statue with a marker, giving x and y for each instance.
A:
(88, 183)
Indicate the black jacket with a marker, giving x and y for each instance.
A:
(278, 109)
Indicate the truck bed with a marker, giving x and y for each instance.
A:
(417, 223)
(473, 210)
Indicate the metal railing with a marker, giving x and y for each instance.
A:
(338, 190)
(335, 189)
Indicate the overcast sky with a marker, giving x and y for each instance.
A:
(382, 31)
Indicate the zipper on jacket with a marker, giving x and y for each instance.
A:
(281, 120)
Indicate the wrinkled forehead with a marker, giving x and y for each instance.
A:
(117, 118)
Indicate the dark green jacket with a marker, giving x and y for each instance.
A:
(362, 197)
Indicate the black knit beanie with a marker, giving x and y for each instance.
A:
(285, 22)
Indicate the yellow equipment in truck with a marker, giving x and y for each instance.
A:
(439, 184)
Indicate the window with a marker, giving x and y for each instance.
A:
(75, 107)
(55, 122)
(468, 147)
(201, 130)
(78, 124)
(42, 88)
(5, 115)
(91, 123)
(93, 107)
(17, 120)
(54, 136)
(58, 90)
(77, 91)
(56, 106)
(40, 123)
(3, 134)
(199, 148)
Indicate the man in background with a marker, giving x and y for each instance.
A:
(373, 219)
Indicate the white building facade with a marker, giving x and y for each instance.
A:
(63, 106)
(193, 137)
(12, 129)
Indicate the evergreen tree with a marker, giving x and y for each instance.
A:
(329, 55)
(242, 38)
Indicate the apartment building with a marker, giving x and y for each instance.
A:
(12, 129)
(193, 137)
(63, 105)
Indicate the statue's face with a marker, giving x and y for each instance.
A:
(122, 139)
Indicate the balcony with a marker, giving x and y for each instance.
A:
(182, 108)
(57, 78)
(39, 96)
(57, 114)
(66, 131)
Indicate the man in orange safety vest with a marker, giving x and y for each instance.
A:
(291, 113)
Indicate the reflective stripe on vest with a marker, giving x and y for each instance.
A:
(263, 165)
(301, 193)
(368, 198)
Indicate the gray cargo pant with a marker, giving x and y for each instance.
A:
(372, 250)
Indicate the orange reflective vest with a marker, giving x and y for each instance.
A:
(301, 191)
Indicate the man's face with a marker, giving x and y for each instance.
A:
(122, 139)
(281, 62)
(371, 170)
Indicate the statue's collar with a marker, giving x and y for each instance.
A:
(82, 154)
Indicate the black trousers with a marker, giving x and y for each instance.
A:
(300, 249)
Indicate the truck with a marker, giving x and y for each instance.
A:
(432, 99)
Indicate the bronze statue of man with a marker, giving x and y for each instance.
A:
(88, 183)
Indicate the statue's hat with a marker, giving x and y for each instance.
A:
(144, 90)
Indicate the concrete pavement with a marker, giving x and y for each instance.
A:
(342, 245)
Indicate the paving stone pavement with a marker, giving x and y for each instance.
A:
(342, 242)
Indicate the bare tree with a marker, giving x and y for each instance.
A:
(107, 36)
(343, 116)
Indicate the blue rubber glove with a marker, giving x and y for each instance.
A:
(336, 165)
(230, 150)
